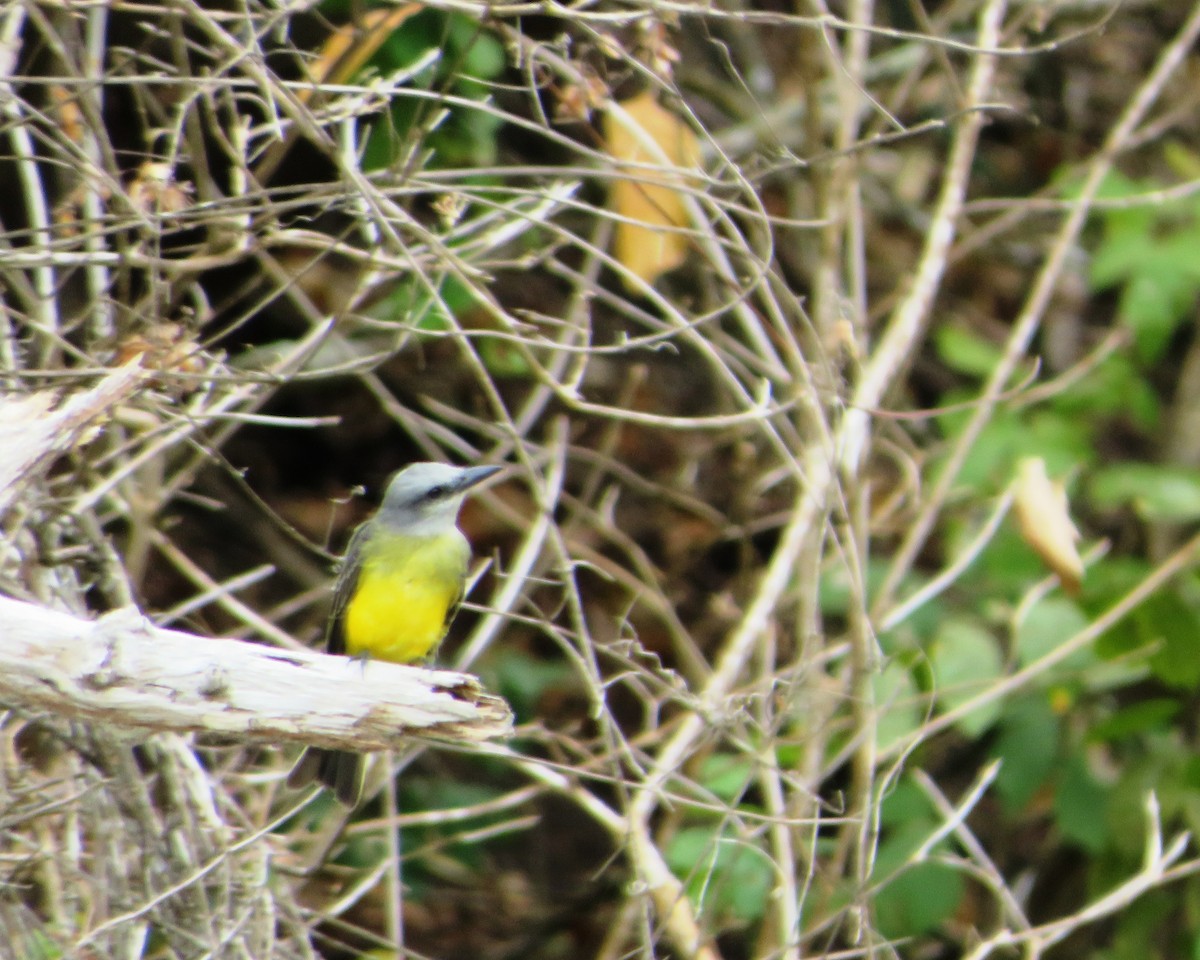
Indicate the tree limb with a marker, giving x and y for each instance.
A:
(124, 671)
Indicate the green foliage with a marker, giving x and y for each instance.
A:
(436, 793)
(1155, 492)
(1082, 744)
(918, 900)
(965, 352)
(1056, 434)
(915, 896)
(38, 945)
(1138, 927)
(1149, 254)
(966, 662)
(726, 775)
(1116, 388)
(468, 57)
(1169, 627)
(1027, 746)
(1043, 629)
(1080, 806)
(523, 680)
(440, 121)
(728, 879)
(1130, 722)
(1162, 633)
(900, 706)
(429, 303)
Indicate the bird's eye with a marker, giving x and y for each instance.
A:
(436, 493)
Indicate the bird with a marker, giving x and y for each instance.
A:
(397, 591)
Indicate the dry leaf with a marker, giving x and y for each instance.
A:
(657, 50)
(162, 346)
(68, 117)
(32, 433)
(649, 202)
(1045, 522)
(154, 189)
(576, 101)
(349, 47)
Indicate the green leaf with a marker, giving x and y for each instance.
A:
(503, 358)
(835, 590)
(1052, 620)
(908, 637)
(522, 680)
(1139, 928)
(900, 706)
(727, 775)
(904, 806)
(1115, 577)
(35, 945)
(965, 351)
(1170, 627)
(1128, 231)
(1027, 747)
(470, 56)
(1080, 806)
(408, 43)
(1114, 387)
(483, 54)
(729, 880)
(1063, 442)
(1152, 306)
(1005, 569)
(1127, 247)
(918, 900)
(1155, 492)
(1150, 253)
(1137, 718)
(991, 456)
(416, 305)
(913, 898)
(1184, 163)
(966, 661)
(1115, 186)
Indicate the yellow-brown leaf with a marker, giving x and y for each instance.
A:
(349, 47)
(649, 202)
(1045, 522)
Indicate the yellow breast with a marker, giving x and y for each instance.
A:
(405, 590)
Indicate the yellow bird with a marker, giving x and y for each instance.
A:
(398, 589)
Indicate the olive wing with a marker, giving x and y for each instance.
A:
(343, 590)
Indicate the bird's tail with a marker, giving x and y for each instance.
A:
(339, 770)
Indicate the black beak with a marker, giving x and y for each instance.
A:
(474, 475)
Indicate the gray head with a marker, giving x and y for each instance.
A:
(425, 498)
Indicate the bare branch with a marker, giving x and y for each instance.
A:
(122, 670)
